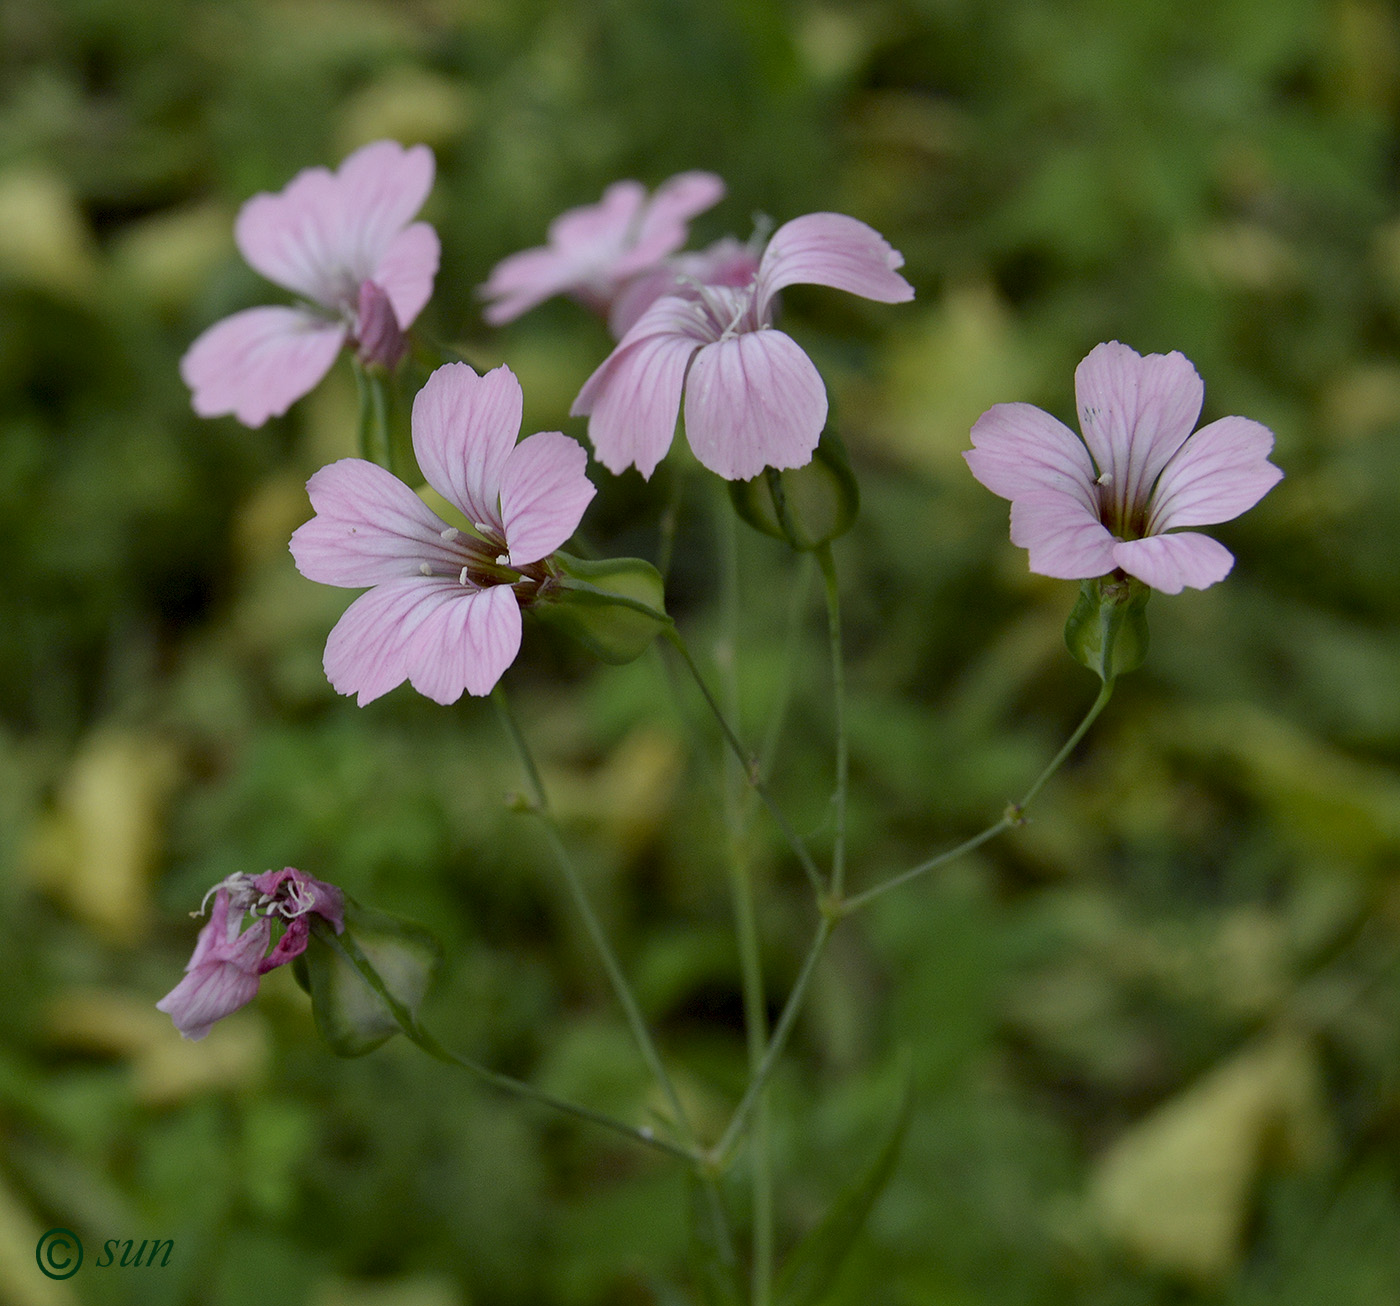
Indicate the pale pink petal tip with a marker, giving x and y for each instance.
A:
(831, 249)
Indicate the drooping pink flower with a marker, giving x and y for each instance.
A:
(343, 240)
(443, 612)
(229, 961)
(1116, 499)
(594, 250)
(753, 399)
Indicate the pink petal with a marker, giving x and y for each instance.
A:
(1219, 472)
(830, 249)
(1135, 413)
(632, 400)
(544, 490)
(1019, 448)
(1168, 562)
(369, 528)
(662, 228)
(259, 362)
(208, 994)
(1063, 538)
(753, 401)
(582, 234)
(407, 270)
(522, 280)
(439, 635)
(464, 427)
(325, 233)
(466, 645)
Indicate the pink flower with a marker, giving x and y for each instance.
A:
(343, 240)
(1085, 512)
(595, 249)
(753, 399)
(725, 263)
(224, 971)
(444, 610)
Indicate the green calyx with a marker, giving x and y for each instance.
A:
(1107, 631)
(805, 506)
(350, 1015)
(614, 607)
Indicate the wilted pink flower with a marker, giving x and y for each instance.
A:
(224, 971)
(444, 610)
(1084, 512)
(595, 249)
(343, 240)
(753, 399)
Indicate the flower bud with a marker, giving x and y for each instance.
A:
(349, 1014)
(614, 607)
(1107, 631)
(806, 506)
(379, 337)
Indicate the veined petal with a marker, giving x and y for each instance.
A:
(369, 528)
(544, 490)
(831, 249)
(662, 226)
(324, 233)
(1169, 562)
(1019, 447)
(406, 271)
(632, 400)
(753, 401)
(209, 993)
(464, 427)
(1135, 413)
(584, 233)
(1220, 471)
(367, 651)
(467, 645)
(259, 362)
(1063, 538)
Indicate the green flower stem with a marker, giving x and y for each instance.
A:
(374, 414)
(748, 763)
(351, 952)
(838, 688)
(621, 988)
(721, 1153)
(1013, 816)
(741, 888)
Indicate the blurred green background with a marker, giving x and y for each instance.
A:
(1154, 1035)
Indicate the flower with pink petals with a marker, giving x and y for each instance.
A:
(229, 961)
(1115, 500)
(594, 250)
(345, 241)
(443, 612)
(753, 399)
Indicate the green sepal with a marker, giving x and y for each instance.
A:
(614, 607)
(1107, 631)
(806, 506)
(350, 1016)
(809, 1275)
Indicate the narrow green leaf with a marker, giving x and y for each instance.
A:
(810, 1272)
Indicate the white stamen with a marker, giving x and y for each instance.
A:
(482, 527)
(1104, 479)
(424, 569)
(450, 534)
(502, 559)
(462, 579)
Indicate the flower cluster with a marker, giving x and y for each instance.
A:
(229, 961)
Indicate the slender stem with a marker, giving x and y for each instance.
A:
(1013, 815)
(374, 415)
(747, 763)
(797, 607)
(351, 952)
(721, 1151)
(838, 686)
(621, 988)
(741, 888)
